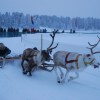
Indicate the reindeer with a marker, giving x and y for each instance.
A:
(34, 57)
(4, 51)
(75, 62)
(27, 62)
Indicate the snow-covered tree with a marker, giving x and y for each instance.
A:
(19, 20)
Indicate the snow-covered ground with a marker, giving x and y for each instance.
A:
(43, 85)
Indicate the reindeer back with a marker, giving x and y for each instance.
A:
(29, 52)
(2, 46)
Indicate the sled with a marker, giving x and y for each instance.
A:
(47, 67)
(8, 58)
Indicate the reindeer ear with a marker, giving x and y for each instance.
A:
(43, 52)
(88, 55)
(35, 48)
(50, 51)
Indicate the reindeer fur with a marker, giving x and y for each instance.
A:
(83, 61)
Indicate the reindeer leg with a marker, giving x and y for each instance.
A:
(66, 75)
(3, 62)
(23, 66)
(61, 75)
(30, 70)
(72, 78)
(58, 79)
(30, 74)
(25, 72)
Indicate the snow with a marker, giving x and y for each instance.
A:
(43, 85)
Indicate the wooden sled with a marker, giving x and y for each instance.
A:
(8, 58)
(45, 66)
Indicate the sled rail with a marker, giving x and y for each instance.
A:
(10, 58)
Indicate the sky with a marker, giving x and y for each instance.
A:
(71, 8)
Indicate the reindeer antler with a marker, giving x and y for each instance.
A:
(93, 46)
(52, 36)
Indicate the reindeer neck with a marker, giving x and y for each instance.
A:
(40, 58)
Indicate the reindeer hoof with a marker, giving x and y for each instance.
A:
(24, 72)
(58, 81)
(30, 74)
(0, 66)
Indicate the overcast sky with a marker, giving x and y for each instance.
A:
(71, 8)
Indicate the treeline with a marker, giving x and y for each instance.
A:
(19, 20)
(24, 30)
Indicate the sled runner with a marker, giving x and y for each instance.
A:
(45, 66)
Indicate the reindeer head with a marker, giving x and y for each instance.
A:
(46, 53)
(4, 51)
(90, 57)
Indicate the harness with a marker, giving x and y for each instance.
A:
(86, 63)
(35, 52)
(71, 61)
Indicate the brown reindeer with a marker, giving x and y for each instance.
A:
(75, 62)
(34, 57)
(4, 51)
(28, 57)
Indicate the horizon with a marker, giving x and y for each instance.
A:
(64, 8)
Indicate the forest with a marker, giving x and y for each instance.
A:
(20, 20)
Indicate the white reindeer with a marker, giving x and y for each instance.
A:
(73, 62)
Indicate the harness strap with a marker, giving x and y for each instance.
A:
(35, 54)
(30, 53)
(71, 61)
(88, 62)
(67, 58)
(77, 61)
